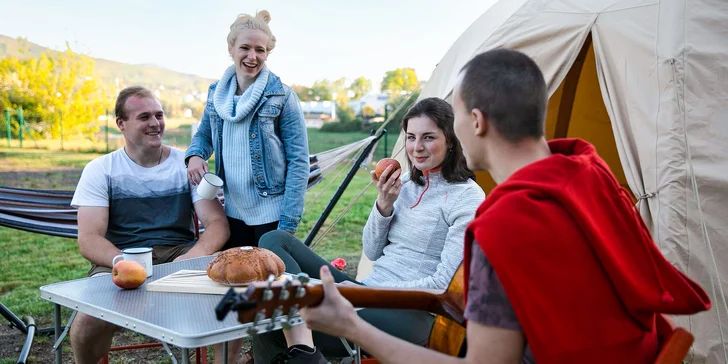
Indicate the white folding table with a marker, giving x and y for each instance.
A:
(184, 320)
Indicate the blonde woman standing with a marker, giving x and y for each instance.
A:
(254, 125)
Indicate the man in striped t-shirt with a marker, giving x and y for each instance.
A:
(137, 196)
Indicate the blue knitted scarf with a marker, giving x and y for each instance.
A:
(224, 95)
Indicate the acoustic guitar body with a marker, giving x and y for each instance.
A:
(448, 336)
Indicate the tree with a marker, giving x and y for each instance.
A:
(52, 86)
(304, 92)
(340, 95)
(171, 105)
(399, 80)
(321, 90)
(368, 112)
(396, 101)
(360, 87)
(345, 114)
(197, 108)
(339, 90)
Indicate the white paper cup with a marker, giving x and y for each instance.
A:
(209, 185)
(142, 256)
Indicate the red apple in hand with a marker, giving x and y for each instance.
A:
(383, 164)
(128, 274)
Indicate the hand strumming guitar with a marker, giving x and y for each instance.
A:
(335, 315)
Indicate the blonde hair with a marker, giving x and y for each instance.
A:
(258, 22)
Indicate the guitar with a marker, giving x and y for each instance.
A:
(280, 302)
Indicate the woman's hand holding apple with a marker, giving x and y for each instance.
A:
(386, 176)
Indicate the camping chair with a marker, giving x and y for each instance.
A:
(25, 326)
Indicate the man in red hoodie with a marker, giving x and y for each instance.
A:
(559, 265)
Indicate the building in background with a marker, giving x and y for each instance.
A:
(316, 113)
(377, 101)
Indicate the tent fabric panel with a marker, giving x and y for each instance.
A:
(624, 47)
(466, 47)
(553, 40)
(703, 101)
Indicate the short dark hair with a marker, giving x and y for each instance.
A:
(509, 89)
(454, 167)
(138, 91)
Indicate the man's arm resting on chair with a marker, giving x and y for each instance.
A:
(92, 224)
(336, 316)
(216, 233)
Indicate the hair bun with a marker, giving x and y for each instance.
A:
(263, 14)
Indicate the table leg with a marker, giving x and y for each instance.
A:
(57, 330)
(185, 356)
(225, 352)
(169, 352)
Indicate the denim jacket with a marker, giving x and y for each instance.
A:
(278, 144)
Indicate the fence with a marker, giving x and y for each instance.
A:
(23, 132)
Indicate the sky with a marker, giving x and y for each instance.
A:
(316, 39)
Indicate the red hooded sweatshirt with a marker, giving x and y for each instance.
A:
(577, 263)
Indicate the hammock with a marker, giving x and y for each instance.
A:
(49, 212)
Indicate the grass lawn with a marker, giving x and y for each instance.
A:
(15, 159)
(32, 260)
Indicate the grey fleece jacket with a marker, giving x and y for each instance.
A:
(421, 244)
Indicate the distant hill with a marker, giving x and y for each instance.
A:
(148, 75)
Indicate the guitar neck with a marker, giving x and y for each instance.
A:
(268, 299)
(429, 300)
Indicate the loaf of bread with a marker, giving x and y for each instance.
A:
(238, 266)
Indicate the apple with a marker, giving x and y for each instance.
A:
(383, 164)
(128, 274)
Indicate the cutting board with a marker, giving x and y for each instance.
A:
(192, 281)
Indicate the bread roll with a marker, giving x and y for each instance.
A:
(237, 266)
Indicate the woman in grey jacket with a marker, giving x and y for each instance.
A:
(414, 235)
(254, 125)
